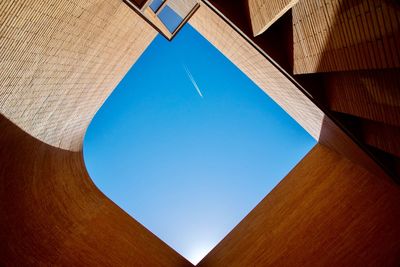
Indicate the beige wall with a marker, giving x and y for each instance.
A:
(372, 95)
(51, 213)
(258, 69)
(59, 60)
(182, 7)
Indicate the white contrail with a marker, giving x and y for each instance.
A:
(192, 80)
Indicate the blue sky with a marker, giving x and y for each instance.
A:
(188, 145)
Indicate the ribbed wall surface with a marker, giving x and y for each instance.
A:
(263, 13)
(258, 69)
(326, 212)
(371, 95)
(341, 35)
(59, 60)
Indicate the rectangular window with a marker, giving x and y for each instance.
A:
(166, 16)
(156, 4)
(170, 18)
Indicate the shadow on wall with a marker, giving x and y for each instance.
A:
(277, 41)
(325, 202)
(364, 36)
(334, 137)
(330, 69)
(361, 83)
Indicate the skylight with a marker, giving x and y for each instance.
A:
(170, 18)
(166, 16)
(188, 145)
(156, 4)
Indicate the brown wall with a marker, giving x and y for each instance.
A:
(261, 71)
(373, 95)
(59, 61)
(282, 90)
(341, 35)
(264, 13)
(326, 212)
(382, 136)
(281, 49)
(52, 214)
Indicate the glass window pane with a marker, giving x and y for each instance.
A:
(170, 18)
(156, 4)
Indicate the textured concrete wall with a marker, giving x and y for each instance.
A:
(263, 13)
(51, 214)
(326, 212)
(341, 35)
(59, 60)
(258, 69)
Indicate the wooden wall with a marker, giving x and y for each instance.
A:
(282, 90)
(264, 13)
(59, 61)
(262, 72)
(342, 35)
(372, 95)
(51, 214)
(326, 212)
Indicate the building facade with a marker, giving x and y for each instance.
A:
(332, 65)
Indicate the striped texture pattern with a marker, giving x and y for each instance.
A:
(59, 60)
(258, 69)
(263, 13)
(370, 95)
(327, 211)
(342, 35)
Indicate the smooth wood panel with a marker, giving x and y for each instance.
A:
(326, 212)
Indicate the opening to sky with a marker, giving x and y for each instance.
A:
(188, 145)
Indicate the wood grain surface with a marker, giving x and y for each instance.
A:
(51, 214)
(343, 35)
(327, 212)
(264, 13)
